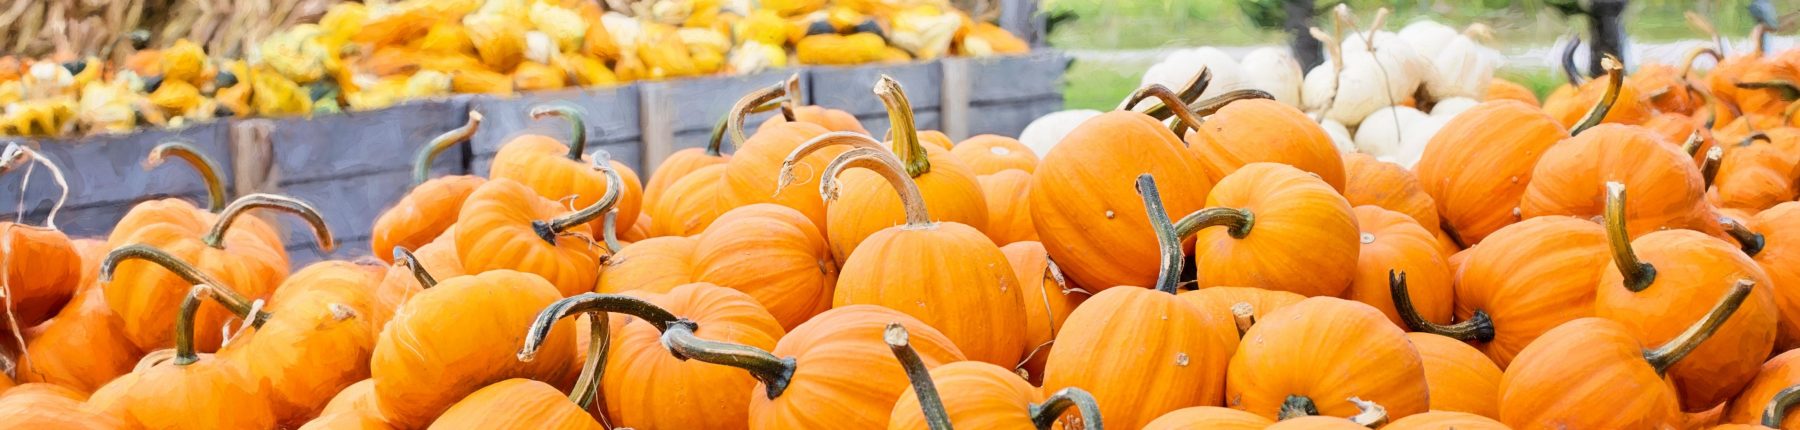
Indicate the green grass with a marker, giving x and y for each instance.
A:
(1100, 85)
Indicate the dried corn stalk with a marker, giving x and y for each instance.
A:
(71, 29)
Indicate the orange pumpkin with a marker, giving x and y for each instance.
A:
(978, 395)
(1313, 357)
(41, 266)
(1605, 357)
(1774, 241)
(410, 274)
(989, 154)
(1144, 352)
(316, 340)
(176, 210)
(1084, 208)
(690, 203)
(1209, 417)
(516, 403)
(1757, 176)
(1049, 298)
(1009, 206)
(49, 406)
(505, 225)
(1775, 379)
(1477, 167)
(685, 162)
(1238, 134)
(656, 265)
(557, 171)
(425, 212)
(412, 387)
(1392, 241)
(830, 119)
(1244, 304)
(1666, 89)
(191, 390)
(647, 387)
(973, 295)
(83, 346)
(1371, 416)
(1461, 378)
(1502, 89)
(1541, 273)
(1570, 180)
(356, 403)
(1284, 229)
(1441, 420)
(1374, 182)
(1619, 103)
(1648, 303)
(774, 254)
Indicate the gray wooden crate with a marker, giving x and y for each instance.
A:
(681, 114)
(852, 89)
(1001, 95)
(106, 176)
(612, 118)
(349, 205)
(354, 143)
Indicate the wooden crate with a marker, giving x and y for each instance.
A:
(681, 114)
(612, 117)
(1001, 95)
(106, 177)
(852, 89)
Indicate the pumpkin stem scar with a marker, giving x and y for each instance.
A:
(1638, 274)
(422, 160)
(548, 230)
(1168, 275)
(1044, 415)
(1748, 240)
(1779, 405)
(1239, 222)
(1478, 328)
(1297, 406)
(1662, 357)
(1709, 166)
(402, 256)
(1190, 92)
(774, 372)
(905, 133)
(885, 164)
(762, 100)
(215, 237)
(1169, 98)
(205, 166)
(1615, 78)
(237, 303)
(930, 404)
(577, 125)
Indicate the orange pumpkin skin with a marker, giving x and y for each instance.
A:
(1238, 134)
(647, 387)
(1676, 128)
(933, 139)
(844, 374)
(988, 154)
(1303, 237)
(1631, 108)
(1696, 270)
(830, 119)
(1142, 353)
(1777, 374)
(655, 265)
(1327, 350)
(42, 271)
(209, 394)
(971, 290)
(182, 213)
(1374, 182)
(1008, 206)
(1219, 300)
(1392, 241)
(1541, 273)
(1570, 372)
(1209, 417)
(46, 406)
(1780, 227)
(677, 166)
(1048, 301)
(345, 421)
(84, 346)
(867, 204)
(317, 342)
(976, 395)
(398, 284)
(356, 399)
(1315, 423)
(516, 403)
(1570, 180)
(1669, 87)
(1501, 89)
(1442, 420)
(145, 296)
(753, 173)
(1756, 176)
(1086, 208)
(422, 215)
(1462, 379)
(542, 164)
(1708, 419)
(690, 204)
(494, 232)
(411, 384)
(774, 254)
(1477, 167)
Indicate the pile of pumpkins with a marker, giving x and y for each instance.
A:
(1181, 262)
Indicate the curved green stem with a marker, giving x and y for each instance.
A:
(224, 294)
(205, 166)
(1788, 90)
(1211, 106)
(216, 236)
(1187, 118)
(422, 160)
(597, 306)
(930, 404)
(1638, 274)
(577, 125)
(185, 353)
(1189, 93)
(1709, 166)
(14, 154)
(884, 164)
(405, 257)
(715, 143)
(774, 372)
(1372, 415)
(1779, 406)
(1238, 221)
(786, 175)
(609, 231)
(1044, 415)
(1168, 274)
(905, 133)
(1296, 406)
(1748, 240)
(1687, 63)
(1667, 355)
(615, 185)
(1479, 327)
(734, 119)
(1757, 135)
(1615, 78)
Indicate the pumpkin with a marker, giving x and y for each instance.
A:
(973, 295)
(506, 225)
(191, 390)
(354, 403)
(141, 292)
(1237, 135)
(687, 161)
(1209, 417)
(656, 264)
(1371, 416)
(1542, 273)
(1477, 167)
(648, 387)
(989, 154)
(1284, 229)
(1441, 420)
(1757, 176)
(1392, 241)
(1144, 352)
(412, 386)
(1665, 88)
(50, 406)
(1619, 103)
(1009, 206)
(774, 254)
(1083, 208)
(180, 212)
(1605, 357)
(1502, 89)
(316, 341)
(1460, 377)
(1311, 357)
(421, 215)
(978, 395)
(1570, 180)
(1049, 298)
(1644, 301)
(753, 174)
(863, 206)
(1770, 239)
(83, 346)
(1369, 181)
(1774, 380)
(41, 265)
(689, 204)
(516, 403)
(830, 119)
(557, 171)
(409, 274)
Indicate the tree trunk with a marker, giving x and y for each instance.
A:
(1607, 27)
(1307, 50)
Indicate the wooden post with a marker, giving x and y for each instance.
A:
(657, 123)
(954, 110)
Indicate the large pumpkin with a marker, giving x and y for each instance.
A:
(1239, 134)
(1460, 377)
(1312, 357)
(505, 225)
(557, 171)
(1283, 229)
(1392, 241)
(1541, 273)
(973, 394)
(430, 208)
(1049, 298)
(1477, 167)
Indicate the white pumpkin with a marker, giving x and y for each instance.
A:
(1048, 130)
(1416, 137)
(1275, 71)
(1427, 36)
(1451, 106)
(1463, 68)
(1340, 135)
(1176, 69)
(1381, 132)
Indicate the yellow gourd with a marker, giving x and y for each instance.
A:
(587, 71)
(480, 81)
(793, 8)
(447, 38)
(663, 53)
(534, 76)
(834, 49)
(564, 26)
(500, 41)
(763, 26)
(176, 98)
(185, 62)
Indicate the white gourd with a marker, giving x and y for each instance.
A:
(1427, 36)
(1179, 67)
(1416, 137)
(1381, 132)
(1451, 106)
(1048, 130)
(1274, 71)
(1463, 67)
(1340, 135)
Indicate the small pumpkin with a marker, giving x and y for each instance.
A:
(1771, 238)
(83, 346)
(1284, 229)
(1502, 89)
(1209, 417)
(1773, 381)
(656, 264)
(516, 403)
(1756, 176)
(688, 161)
(774, 254)
(1312, 357)
(410, 274)
(180, 212)
(315, 340)
(41, 266)
(1441, 420)
(1244, 304)
(1460, 377)
(191, 390)
(50, 406)
(989, 154)
(1477, 167)
(1623, 104)
(1236, 135)
(1369, 181)
(1372, 416)
(424, 213)
(690, 204)
(1392, 241)
(1009, 206)
(1570, 180)
(1542, 273)
(830, 119)
(506, 225)
(1049, 298)
(978, 395)
(557, 171)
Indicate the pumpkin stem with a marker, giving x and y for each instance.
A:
(1787, 90)
(1779, 406)
(216, 237)
(231, 299)
(929, 402)
(1044, 415)
(1756, 39)
(1693, 143)
(15, 154)
(548, 230)
(405, 257)
(185, 353)
(577, 125)
(1479, 327)
(792, 103)
(902, 130)
(1615, 78)
(715, 143)
(1372, 415)
(1568, 62)
(1190, 92)
(1687, 64)
(209, 170)
(1244, 316)
(757, 101)
(1709, 166)
(1748, 240)
(854, 140)
(422, 160)
(774, 372)
(1638, 274)
(1168, 274)
(1239, 221)
(883, 163)
(1664, 356)
(1296, 406)
(597, 306)
(1169, 98)
(609, 237)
